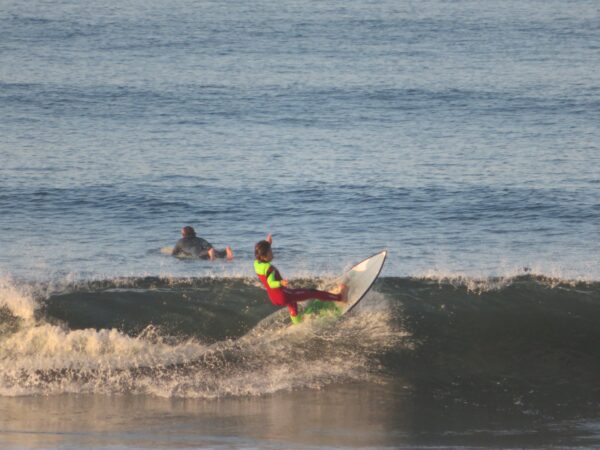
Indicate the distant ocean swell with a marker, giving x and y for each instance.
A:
(208, 337)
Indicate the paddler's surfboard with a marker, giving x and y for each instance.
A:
(359, 280)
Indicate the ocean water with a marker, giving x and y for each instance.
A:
(460, 135)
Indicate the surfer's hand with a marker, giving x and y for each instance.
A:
(284, 283)
(269, 238)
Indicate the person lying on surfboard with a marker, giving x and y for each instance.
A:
(193, 246)
(277, 288)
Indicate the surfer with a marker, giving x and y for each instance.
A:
(193, 246)
(277, 287)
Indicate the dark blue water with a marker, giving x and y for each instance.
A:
(461, 136)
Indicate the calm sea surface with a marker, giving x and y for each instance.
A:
(462, 136)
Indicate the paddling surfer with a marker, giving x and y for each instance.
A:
(193, 246)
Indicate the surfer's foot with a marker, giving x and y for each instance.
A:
(296, 319)
(229, 253)
(343, 293)
(211, 254)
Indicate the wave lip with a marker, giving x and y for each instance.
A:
(16, 300)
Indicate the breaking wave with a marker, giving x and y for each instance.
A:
(215, 337)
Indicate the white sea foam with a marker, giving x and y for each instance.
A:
(43, 358)
(44, 346)
(17, 300)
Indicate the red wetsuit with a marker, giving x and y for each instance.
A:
(282, 296)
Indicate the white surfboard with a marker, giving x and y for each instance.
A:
(358, 279)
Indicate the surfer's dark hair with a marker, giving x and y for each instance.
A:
(188, 231)
(261, 249)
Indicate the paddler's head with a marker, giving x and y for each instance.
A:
(188, 232)
(263, 251)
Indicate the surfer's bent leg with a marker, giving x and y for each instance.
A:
(298, 295)
(220, 253)
(293, 309)
(226, 254)
(291, 297)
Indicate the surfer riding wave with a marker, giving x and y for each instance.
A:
(277, 287)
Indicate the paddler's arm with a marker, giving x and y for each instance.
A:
(177, 249)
